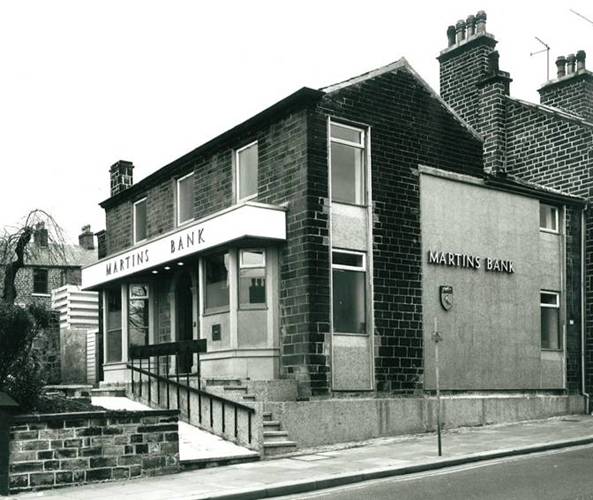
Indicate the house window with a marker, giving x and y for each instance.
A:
(349, 292)
(40, 284)
(140, 220)
(347, 164)
(113, 328)
(246, 166)
(185, 199)
(216, 286)
(252, 278)
(550, 320)
(138, 315)
(548, 218)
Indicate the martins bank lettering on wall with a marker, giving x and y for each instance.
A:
(464, 261)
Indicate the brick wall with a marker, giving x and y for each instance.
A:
(573, 93)
(47, 451)
(409, 126)
(118, 227)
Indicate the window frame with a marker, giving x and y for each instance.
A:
(237, 170)
(144, 296)
(46, 293)
(241, 265)
(178, 204)
(361, 269)
(141, 200)
(557, 306)
(109, 331)
(363, 146)
(209, 311)
(556, 219)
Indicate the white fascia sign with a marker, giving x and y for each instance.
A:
(250, 220)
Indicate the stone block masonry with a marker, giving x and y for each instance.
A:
(48, 451)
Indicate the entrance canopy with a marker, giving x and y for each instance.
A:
(250, 220)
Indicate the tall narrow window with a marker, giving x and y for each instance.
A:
(185, 199)
(40, 281)
(349, 291)
(347, 164)
(246, 165)
(138, 315)
(550, 320)
(216, 286)
(113, 327)
(140, 220)
(252, 278)
(548, 218)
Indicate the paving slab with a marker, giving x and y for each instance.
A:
(343, 464)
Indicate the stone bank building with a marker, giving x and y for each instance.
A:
(318, 245)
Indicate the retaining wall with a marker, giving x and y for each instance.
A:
(73, 448)
(321, 422)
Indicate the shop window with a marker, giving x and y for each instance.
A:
(185, 199)
(246, 171)
(550, 320)
(548, 218)
(347, 164)
(40, 281)
(113, 327)
(138, 315)
(216, 286)
(349, 292)
(252, 278)
(140, 220)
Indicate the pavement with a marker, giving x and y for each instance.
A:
(330, 466)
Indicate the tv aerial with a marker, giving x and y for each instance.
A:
(581, 16)
(547, 51)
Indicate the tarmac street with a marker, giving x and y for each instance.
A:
(554, 475)
(328, 467)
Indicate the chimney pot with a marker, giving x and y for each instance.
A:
(451, 35)
(470, 22)
(460, 28)
(481, 22)
(570, 60)
(581, 55)
(561, 66)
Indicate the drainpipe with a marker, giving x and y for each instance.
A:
(583, 236)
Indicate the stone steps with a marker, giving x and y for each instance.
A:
(276, 448)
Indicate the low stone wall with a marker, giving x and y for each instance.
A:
(330, 421)
(73, 448)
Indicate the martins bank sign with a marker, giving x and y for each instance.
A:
(250, 220)
(465, 261)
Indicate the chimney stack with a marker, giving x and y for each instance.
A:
(572, 89)
(40, 235)
(86, 238)
(122, 176)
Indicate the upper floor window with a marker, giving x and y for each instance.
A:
(550, 320)
(185, 199)
(548, 218)
(347, 164)
(40, 281)
(246, 166)
(140, 220)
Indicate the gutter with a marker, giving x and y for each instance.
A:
(583, 387)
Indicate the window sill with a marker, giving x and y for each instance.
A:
(35, 294)
(247, 198)
(351, 334)
(349, 204)
(549, 231)
(253, 307)
(550, 349)
(214, 312)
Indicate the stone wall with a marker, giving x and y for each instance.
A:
(48, 451)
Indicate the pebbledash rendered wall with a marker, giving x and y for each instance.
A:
(53, 450)
(548, 144)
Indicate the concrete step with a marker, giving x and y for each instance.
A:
(235, 388)
(267, 416)
(202, 463)
(271, 424)
(275, 448)
(223, 381)
(249, 397)
(275, 436)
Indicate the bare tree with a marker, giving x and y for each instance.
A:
(16, 250)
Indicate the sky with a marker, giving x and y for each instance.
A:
(86, 83)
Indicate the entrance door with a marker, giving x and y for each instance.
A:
(184, 317)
